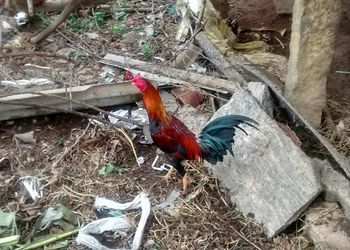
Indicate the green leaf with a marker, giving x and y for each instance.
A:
(108, 168)
(50, 239)
(119, 28)
(9, 241)
(8, 225)
(146, 49)
(99, 17)
(76, 23)
(58, 215)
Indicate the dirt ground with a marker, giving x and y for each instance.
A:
(75, 183)
(69, 152)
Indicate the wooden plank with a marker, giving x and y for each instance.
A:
(100, 95)
(182, 77)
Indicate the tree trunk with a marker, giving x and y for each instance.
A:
(313, 37)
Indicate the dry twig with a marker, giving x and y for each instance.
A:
(33, 53)
(53, 26)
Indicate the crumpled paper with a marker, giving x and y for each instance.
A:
(120, 225)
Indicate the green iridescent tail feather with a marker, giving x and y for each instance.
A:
(216, 138)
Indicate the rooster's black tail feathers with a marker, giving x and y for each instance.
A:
(216, 138)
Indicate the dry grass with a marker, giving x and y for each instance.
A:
(67, 162)
(336, 127)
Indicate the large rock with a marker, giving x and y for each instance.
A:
(312, 44)
(269, 177)
(336, 186)
(262, 94)
(327, 227)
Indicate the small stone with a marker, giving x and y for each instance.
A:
(188, 97)
(149, 243)
(129, 22)
(65, 51)
(114, 45)
(140, 160)
(92, 36)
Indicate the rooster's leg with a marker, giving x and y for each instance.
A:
(167, 177)
(181, 170)
(185, 184)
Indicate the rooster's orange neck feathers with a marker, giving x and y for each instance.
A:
(153, 104)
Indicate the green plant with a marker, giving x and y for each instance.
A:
(76, 23)
(44, 19)
(109, 168)
(146, 49)
(118, 28)
(78, 54)
(99, 17)
(60, 142)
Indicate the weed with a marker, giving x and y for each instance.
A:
(119, 28)
(78, 54)
(60, 142)
(99, 17)
(43, 18)
(146, 49)
(109, 168)
(76, 23)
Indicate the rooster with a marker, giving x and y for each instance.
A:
(177, 142)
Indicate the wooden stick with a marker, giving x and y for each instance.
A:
(34, 53)
(53, 26)
(180, 76)
(39, 106)
(30, 8)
